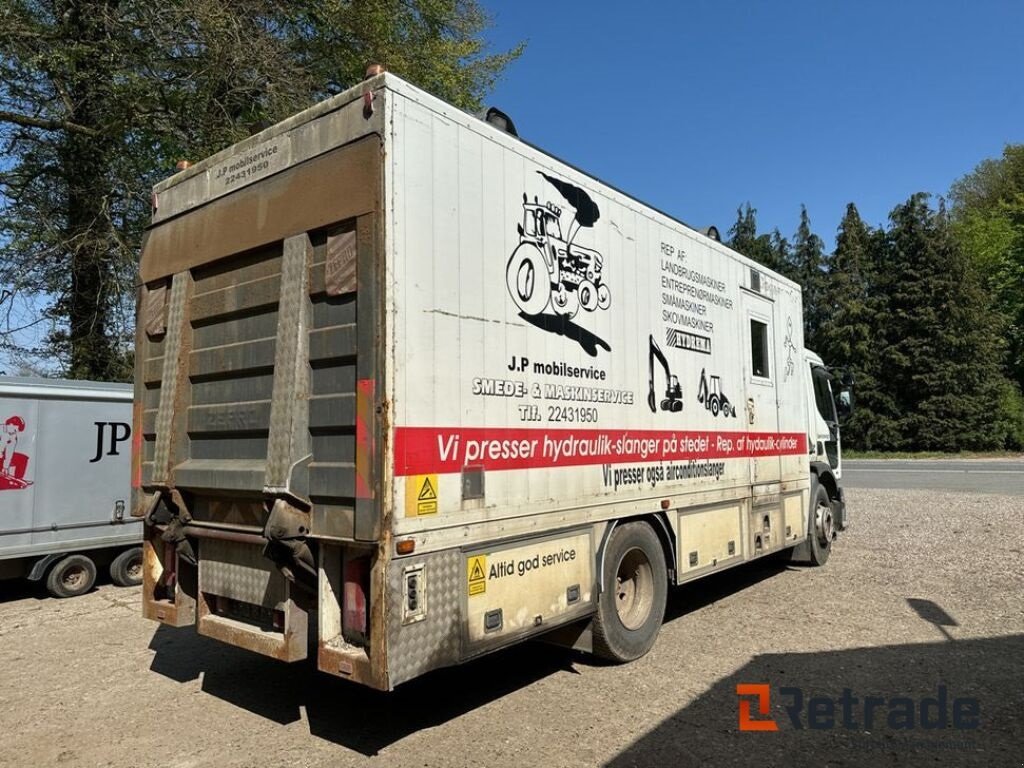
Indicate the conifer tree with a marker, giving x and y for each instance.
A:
(941, 348)
(807, 265)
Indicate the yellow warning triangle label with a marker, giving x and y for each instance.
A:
(476, 571)
(427, 492)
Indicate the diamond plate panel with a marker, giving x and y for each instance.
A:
(169, 383)
(436, 641)
(240, 572)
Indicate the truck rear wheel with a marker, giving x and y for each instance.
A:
(126, 569)
(823, 527)
(73, 576)
(634, 589)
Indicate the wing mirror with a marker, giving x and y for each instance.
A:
(844, 402)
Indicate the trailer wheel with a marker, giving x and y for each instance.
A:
(631, 607)
(126, 569)
(528, 281)
(73, 576)
(823, 527)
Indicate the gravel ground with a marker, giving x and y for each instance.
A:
(926, 589)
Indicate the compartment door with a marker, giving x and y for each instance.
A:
(760, 371)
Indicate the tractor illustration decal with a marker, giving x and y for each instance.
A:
(548, 271)
(13, 465)
(713, 397)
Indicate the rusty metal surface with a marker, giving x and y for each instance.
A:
(340, 267)
(239, 571)
(173, 377)
(289, 445)
(154, 309)
(335, 186)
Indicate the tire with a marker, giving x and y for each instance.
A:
(528, 281)
(631, 606)
(604, 296)
(714, 405)
(126, 569)
(73, 576)
(823, 527)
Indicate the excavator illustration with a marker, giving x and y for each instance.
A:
(673, 400)
(713, 397)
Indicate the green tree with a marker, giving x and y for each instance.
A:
(98, 98)
(849, 337)
(987, 208)
(769, 250)
(941, 346)
(807, 265)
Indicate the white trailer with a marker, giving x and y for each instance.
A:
(415, 386)
(65, 484)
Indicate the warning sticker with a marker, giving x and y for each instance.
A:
(476, 574)
(421, 495)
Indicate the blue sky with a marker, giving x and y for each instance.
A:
(698, 106)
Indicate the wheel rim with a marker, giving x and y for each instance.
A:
(134, 569)
(825, 524)
(634, 589)
(74, 577)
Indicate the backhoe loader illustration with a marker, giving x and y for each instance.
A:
(547, 269)
(713, 398)
(673, 400)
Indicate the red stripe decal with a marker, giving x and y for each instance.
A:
(364, 438)
(440, 450)
(137, 444)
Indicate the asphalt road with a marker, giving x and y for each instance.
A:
(970, 475)
(920, 605)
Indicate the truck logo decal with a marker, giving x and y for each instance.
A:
(13, 464)
(790, 349)
(119, 433)
(549, 276)
(713, 397)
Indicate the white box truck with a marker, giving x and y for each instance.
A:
(65, 487)
(409, 384)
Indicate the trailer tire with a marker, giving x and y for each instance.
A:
(73, 576)
(631, 606)
(126, 569)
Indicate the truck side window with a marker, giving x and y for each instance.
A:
(823, 395)
(759, 349)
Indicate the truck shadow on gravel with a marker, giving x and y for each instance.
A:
(367, 721)
(989, 670)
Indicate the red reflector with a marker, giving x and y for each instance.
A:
(353, 613)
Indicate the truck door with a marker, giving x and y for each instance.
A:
(760, 384)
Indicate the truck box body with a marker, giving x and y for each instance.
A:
(65, 455)
(400, 374)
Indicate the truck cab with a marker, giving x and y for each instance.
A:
(828, 398)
